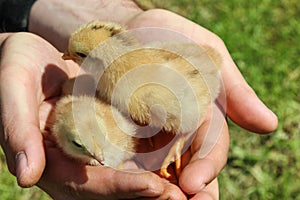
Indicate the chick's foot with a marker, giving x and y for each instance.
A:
(173, 155)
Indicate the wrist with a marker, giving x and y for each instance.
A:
(47, 19)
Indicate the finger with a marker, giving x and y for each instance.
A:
(21, 139)
(64, 178)
(243, 106)
(210, 192)
(209, 153)
(172, 192)
(21, 94)
(135, 185)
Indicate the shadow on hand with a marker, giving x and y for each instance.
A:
(52, 80)
(60, 170)
(63, 171)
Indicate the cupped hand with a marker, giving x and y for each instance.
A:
(237, 100)
(242, 105)
(206, 157)
(32, 73)
(24, 83)
(202, 161)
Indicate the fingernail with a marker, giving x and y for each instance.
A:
(21, 164)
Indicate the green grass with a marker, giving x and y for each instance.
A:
(9, 190)
(264, 40)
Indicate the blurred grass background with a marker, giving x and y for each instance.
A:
(263, 37)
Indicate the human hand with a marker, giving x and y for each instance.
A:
(203, 160)
(237, 99)
(151, 158)
(242, 105)
(29, 87)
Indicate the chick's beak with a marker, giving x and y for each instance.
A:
(67, 56)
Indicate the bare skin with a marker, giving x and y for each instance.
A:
(133, 17)
(24, 113)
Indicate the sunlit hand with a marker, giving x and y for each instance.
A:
(237, 99)
(205, 158)
(243, 106)
(32, 73)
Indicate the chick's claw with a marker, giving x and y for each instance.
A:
(173, 155)
(94, 162)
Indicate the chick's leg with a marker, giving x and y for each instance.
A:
(173, 155)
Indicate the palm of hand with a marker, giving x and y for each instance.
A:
(44, 65)
(87, 175)
(45, 72)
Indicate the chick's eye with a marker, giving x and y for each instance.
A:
(82, 55)
(77, 144)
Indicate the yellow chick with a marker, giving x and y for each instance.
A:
(85, 128)
(167, 85)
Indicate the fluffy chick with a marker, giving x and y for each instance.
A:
(163, 64)
(88, 37)
(86, 129)
(168, 85)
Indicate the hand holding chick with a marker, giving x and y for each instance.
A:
(168, 85)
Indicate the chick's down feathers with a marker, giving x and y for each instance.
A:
(168, 85)
(181, 78)
(90, 130)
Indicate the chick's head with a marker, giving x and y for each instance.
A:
(88, 37)
(78, 130)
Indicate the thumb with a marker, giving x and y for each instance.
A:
(209, 153)
(24, 58)
(20, 136)
(243, 105)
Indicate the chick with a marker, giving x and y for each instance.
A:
(167, 85)
(88, 37)
(89, 130)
